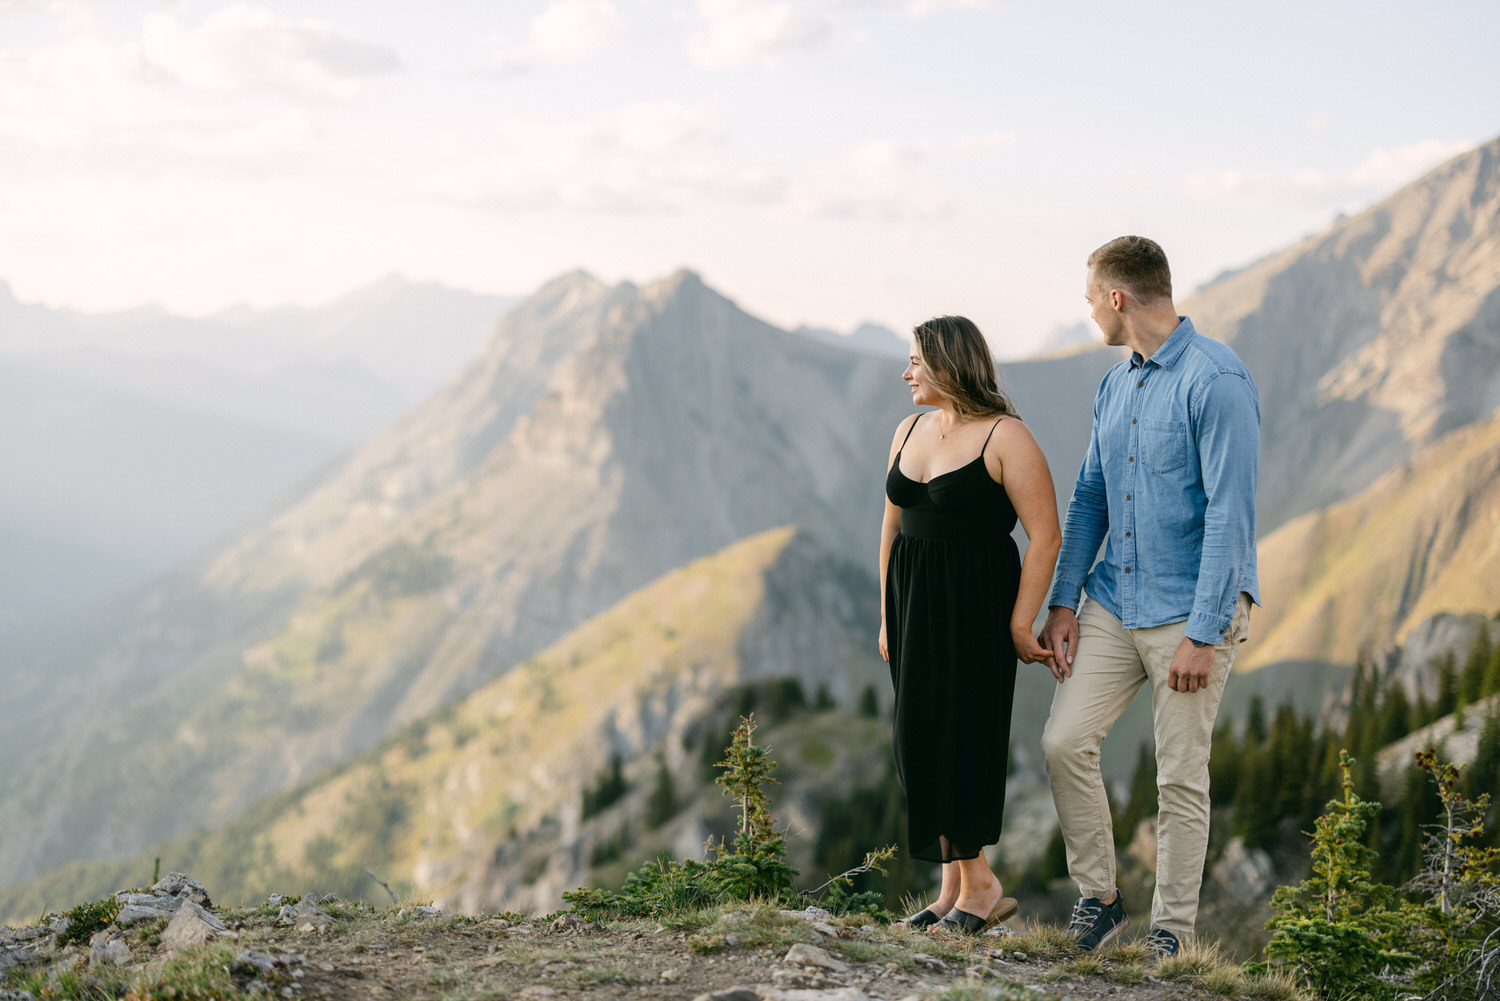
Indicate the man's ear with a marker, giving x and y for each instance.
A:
(1117, 300)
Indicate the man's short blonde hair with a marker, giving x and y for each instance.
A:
(1135, 264)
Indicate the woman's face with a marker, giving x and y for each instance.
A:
(922, 392)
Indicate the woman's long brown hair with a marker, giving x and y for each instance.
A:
(956, 359)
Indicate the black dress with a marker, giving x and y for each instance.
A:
(951, 585)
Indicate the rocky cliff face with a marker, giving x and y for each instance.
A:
(1372, 339)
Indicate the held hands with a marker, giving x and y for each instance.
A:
(1060, 637)
(1028, 650)
(1191, 666)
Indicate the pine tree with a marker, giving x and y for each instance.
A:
(1492, 673)
(1421, 713)
(1447, 697)
(1337, 930)
(1395, 716)
(1483, 774)
(1255, 720)
(1471, 682)
(1255, 803)
(1223, 766)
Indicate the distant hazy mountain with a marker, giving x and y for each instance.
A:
(133, 440)
(1069, 338)
(870, 337)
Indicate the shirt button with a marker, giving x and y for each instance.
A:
(1127, 569)
(1141, 383)
(1127, 497)
(1127, 535)
(1132, 458)
(1134, 421)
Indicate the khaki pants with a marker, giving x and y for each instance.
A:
(1111, 664)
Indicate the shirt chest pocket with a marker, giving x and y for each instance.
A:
(1164, 445)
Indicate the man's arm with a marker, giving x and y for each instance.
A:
(1228, 434)
(1084, 528)
(1083, 531)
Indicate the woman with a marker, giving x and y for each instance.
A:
(959, 607)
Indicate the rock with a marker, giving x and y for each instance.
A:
(145, 907)
(14, 956)
(6, 995)
(821, 994)
(256, 964)
(10, 937)
(175, 884)
(929, 962)
(191, 925)
(808, 914)
(1245, 872)
(671, 976)
(274, 900)
(731, 940)
(730, 994)
(803, 954)
(420, 911)
(306, 916)
(537, 991)
(104, 950)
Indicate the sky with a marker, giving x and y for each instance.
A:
(819, 161)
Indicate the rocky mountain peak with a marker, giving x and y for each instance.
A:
(1373, 338)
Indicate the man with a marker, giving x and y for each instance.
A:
(1168, 484)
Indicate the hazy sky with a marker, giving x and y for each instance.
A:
(821, 161)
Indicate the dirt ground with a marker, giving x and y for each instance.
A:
(773, 955)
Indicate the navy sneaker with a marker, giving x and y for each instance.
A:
(1096, 923)
(1161, 944)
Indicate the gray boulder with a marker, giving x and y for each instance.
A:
(191, 925)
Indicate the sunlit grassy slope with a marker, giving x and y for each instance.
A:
(1361, 573)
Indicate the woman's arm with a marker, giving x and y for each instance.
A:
(889, 526)
(1024, 474)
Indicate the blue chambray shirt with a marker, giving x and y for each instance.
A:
(1168, 484)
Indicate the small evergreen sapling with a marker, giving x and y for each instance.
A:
(1339, 930)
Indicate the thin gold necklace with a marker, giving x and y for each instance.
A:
(943, 434)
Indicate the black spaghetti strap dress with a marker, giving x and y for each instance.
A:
(951, 586)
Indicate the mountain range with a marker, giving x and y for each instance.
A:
(136, 439)
(608, 463)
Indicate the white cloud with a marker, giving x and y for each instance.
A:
(739, 33)
(877, 180)
(1379, 173)
(565, 32)
(660, 126)
(644, 158)
(659, 159)
(241, 48)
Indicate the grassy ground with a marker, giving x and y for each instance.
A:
(397, 953)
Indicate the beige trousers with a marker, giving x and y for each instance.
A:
(1111, 664)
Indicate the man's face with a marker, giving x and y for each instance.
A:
(1104, 315)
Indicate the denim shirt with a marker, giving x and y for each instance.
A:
(1168, 484)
